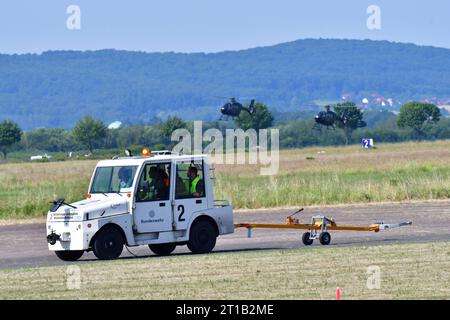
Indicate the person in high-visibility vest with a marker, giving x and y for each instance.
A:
(195, 183)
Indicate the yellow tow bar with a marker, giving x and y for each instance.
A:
(318, 228)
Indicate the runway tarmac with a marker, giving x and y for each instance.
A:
(24, 245)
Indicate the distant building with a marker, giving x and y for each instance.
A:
(40, 157)
(445, 110)
(390, 101)
(115, 125)
(346, 96)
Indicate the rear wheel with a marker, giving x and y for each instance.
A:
(306, 239)
(202, 237)
(325, 238)
(108, 243)
(69, 255)
(163, 249)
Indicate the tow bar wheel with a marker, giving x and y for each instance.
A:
(325, 238)
(306, 239)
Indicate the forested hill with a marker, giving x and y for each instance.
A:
(56, 88)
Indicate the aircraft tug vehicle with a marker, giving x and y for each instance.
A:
(160, 199)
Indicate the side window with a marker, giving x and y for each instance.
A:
(189, 182)
(154, 183)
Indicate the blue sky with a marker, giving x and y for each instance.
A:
(212, 25)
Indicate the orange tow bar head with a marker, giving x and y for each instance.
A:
(290, 220)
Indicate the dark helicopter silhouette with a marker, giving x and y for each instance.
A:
(233, 108)
(327, 118)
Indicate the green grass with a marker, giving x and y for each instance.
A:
(408, 271)
(27, 188)
(393, 172)
(412, 182)
(311, 176)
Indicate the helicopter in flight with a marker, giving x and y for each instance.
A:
(327, 119)
(233, 108)
(345, 115)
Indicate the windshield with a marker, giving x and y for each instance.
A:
(113, 179)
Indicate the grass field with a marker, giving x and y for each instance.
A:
(392, 172)
(408, 271)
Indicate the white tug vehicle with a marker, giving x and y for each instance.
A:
(159, 199)
(163, 201)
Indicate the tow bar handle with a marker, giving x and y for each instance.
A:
(298, 211)
(384, 226)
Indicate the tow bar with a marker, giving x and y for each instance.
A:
(318, 228)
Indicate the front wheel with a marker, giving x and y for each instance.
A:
(69, 255)
(108, 243)
(202, 237)
(162, 249)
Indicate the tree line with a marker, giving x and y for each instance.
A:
(290, 76)
(416, 121)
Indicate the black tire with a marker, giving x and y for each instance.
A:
(69, 255)
(306, 239)
(202, 237)
(162, 249)
(325, 238)
(108, 243)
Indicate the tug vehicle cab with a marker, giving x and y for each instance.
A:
(162, 200)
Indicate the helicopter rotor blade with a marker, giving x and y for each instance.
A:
(221, 97)
(236, 98)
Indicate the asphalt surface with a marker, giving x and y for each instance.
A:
(24, 245)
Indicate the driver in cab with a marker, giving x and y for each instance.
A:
(125, 178)
(157, 188)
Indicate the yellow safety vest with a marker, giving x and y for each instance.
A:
(194, 184)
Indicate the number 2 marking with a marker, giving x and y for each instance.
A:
(366, 143)
(181, 208)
